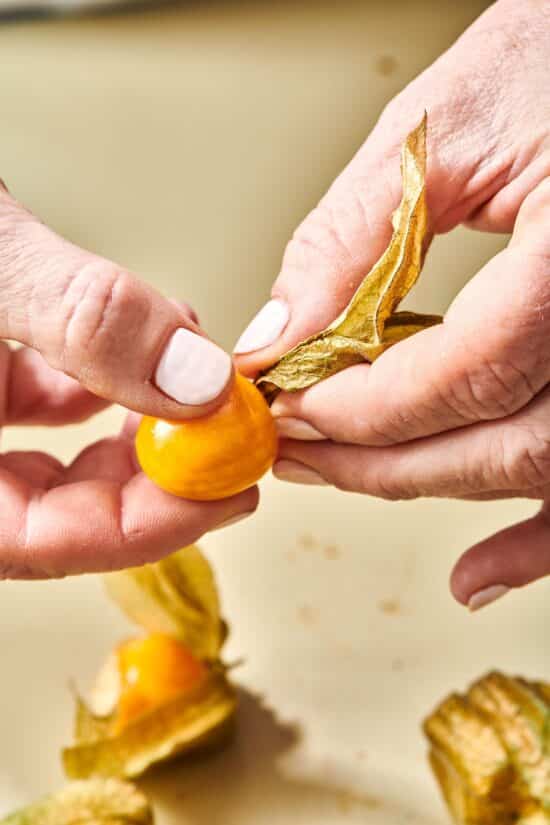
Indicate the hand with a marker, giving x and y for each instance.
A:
(93, 334)
(461, 410)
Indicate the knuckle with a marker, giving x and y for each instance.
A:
(103, 312)
(384, 483)
(488, 390)
(318, 241)
(526, 459)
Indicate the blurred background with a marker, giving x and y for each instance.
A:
(187, 141)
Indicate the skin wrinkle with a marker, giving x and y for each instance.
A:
(105, 303)
(532, 461)
(73, 332)
(488, 404)
(374, 225)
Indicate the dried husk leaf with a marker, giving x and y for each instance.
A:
(176, 596)
(197, 720)
(369, 325)
(490, 752)
(97, 802)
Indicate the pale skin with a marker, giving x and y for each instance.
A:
(461, 410)
(93, 333)
(460, 393)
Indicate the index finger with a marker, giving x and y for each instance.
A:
(489, 358)
(103, 520)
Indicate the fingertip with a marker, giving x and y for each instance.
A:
(460, 585)
(512, 558)
(265, 328)
(194, 372)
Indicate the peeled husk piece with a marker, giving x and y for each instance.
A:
(370, 324)
(490, 752)
(97, 802)
(177, 597)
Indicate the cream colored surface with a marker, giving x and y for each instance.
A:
(187, 143)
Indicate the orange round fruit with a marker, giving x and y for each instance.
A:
(212, 457)
(154, 670)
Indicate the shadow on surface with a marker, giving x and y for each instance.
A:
(253, 775)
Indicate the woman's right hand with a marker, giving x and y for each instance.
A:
(94, 334)
(462, 409)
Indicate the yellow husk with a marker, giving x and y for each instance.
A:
(370, 324)
(192, 722)
(177, 597)
(97, 802)
(490, 752)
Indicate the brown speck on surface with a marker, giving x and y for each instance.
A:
(347, 800)
(307, 541)
(398, 665)
(307, 615)
(386, 65)
(332, 551)
(391, 607)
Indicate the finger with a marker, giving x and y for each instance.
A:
(99, 324)
(36, 468)
(512, 558)
(35, 393)
(489, 358)
(328, 255)
(187, 310)
(474, 172)
(110, 459)
(509, 456)
(130, 426)
(97, 525)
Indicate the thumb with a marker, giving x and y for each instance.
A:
(101, 325)
(326, 259)
(340, 240)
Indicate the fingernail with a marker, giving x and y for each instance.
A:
(297, 473)
(265, 328)
(230, 521)
(484, 597)
(192, 370)
(297, 429)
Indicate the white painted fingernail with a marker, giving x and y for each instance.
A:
(192, 370)
(484, 597)
(288, 427)
(297, 473)
(265, 328)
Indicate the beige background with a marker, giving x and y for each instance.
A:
(187, 143)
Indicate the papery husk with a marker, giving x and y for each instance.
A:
(369, 325)
(176, 596)
(490, 752)
(197, 720)
(97, 802)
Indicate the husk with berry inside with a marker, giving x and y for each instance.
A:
(490, 751)
(177, 597)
